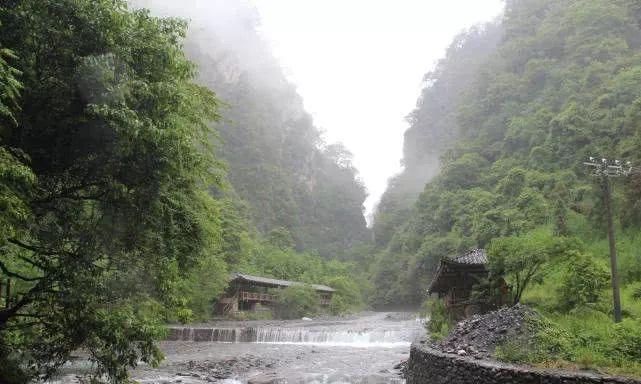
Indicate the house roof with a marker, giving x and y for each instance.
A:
(473, 262)
(474, 257)
(277, 283)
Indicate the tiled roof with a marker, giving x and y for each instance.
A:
(279, 283)
(475, 257)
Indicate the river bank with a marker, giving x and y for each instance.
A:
(361, 349)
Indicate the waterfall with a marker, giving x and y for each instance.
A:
(275, 335)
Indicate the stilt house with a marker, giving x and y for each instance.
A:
(249, 293)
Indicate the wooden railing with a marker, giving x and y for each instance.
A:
(256, 296)
(266, 297)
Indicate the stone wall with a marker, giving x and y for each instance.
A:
(428, 366)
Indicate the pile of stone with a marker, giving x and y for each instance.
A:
(213, 371)
(479, 335)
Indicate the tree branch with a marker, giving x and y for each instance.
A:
(8, 313)
(33, 248)
(7, 272)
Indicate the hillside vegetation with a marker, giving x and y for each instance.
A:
(130, 185)
(562, 83)
(277, 161)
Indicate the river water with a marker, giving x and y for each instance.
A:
(361, 350)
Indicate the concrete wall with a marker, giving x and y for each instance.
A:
(428, 366)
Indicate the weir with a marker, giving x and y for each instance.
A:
(276, 335)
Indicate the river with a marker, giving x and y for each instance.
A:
(361, 350)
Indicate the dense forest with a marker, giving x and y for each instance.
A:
(560, 84)
(277, 161)
(512, 113)
(134, 181)
(146, 154)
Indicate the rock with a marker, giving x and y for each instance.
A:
(306, 319)
(266, 378)
(461, 352)
(481, 334)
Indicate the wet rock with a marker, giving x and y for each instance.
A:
(213, 371)
(267, 378)
(481, 334)
(402, 368)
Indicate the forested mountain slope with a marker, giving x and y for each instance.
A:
(433, 124)
(277, 161)
(116, 214)
(563, 83)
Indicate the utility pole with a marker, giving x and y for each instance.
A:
(604, 170)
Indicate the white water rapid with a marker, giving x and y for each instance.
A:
(300, 335)
(362, 350)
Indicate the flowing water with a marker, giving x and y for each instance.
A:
(362, 350)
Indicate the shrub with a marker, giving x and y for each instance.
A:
(348, 296)
(636, 291)
(338, 305)
(253, 315)
(297, 301)
(583, 283)
(627, 340)
(543, 341)
(440, 321)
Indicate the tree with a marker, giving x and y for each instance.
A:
(297, 301)
(522, 259)
(583, 283)
(9, 89)
(511, 113)
(104, 180)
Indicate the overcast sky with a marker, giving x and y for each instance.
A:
(359, 65)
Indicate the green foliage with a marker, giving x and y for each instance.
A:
(116, 214)
(584, 282)
(585, 338)
(542, 341)
(626, 344)
(636, 291)
(10, 87)
(277, 161)
(597, 342)
(561, 83)
(522, 259)
(102, 177)
(440, 321)
(434, 125)
(296, 302)
(254, 315)
(280, 238)
(346, 278)
(557, 81)
(131, 337)
(348, 296)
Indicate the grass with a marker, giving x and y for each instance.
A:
(594, 341)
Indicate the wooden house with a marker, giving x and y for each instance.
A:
(249, 293)
(455, 279)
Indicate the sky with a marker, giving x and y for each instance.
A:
(359, 65)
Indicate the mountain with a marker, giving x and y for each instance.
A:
(434, 124)
(277, 161)
(563, 83)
